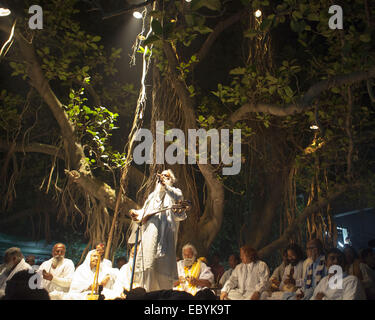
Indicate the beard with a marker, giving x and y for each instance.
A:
(188, 262)
(57, 260)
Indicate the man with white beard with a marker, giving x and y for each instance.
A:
(193, 274)
(57, 273)
(158, 234)
(14, 262)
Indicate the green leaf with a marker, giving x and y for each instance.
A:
(96, 38)
(288, 91)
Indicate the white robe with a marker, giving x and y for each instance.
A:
(124, 278)
(351, 289)
(62, 277)
(83, 278)
(22, 265)
(246, 279)
(297, 275)
(368, 280)
(158, 236)
(204, 274)
(226, 275)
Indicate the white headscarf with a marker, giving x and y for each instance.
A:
(84, 276)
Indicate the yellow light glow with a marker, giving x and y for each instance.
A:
(258, 13)
(4, 12)
(137, 15)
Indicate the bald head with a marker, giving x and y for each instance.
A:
(58, 250)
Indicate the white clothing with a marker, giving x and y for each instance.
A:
(106, 262)
(225, 277)
(351, 289)
(246, 279)
(158, 236)
(22, 265)
(204, 274)
(124, 278)
(62, 277)
(297, 275)
(83, 278)
(278, 272)
(368, 280)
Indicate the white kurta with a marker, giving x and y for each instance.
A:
(351, 289)
(225, 277)
(158, 236)
(246, 279)
(368, 280)
(204, 274)
(22, 265)
(83, 278)
(297, 275)
(124, 278)
(62, 277)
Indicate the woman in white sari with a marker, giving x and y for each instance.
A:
(83, 278)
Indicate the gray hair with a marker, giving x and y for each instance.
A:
(171, 174)
(187, 246)
(13, 252)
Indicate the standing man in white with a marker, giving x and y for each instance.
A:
(158, 234)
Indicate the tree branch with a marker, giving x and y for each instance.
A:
(293, 227)
(306, 101)
(220, 27)
(34, 147)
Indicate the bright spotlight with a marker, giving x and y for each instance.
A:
(4, 12)
(314, 127)
(137, 15)
(188, 0)
(258, 13)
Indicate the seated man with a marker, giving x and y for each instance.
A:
(278, 273)
(84, 275)
(249, 279)
(233, 261)
(292, 277)
(123, 279)
(347, 288)
(18, 287)
(315, 272)
(14, 262)
(57, 273)
(355, 267)
(193, 273)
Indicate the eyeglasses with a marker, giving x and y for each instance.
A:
(310, 248)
